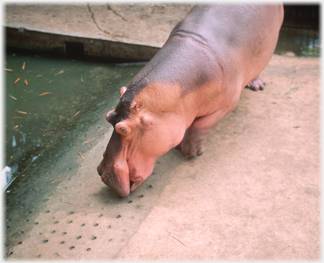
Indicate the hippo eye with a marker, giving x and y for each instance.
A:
(122, 128)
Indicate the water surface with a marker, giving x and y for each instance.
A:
(48, 98)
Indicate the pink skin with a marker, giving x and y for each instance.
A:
(126, 169)
(187, 88)
(150, 132)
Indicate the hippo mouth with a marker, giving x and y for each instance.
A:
(122, 190)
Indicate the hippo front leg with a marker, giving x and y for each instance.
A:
(193, 143)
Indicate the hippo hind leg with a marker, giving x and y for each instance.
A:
(256, 84)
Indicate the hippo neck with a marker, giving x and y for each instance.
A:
(175, 72)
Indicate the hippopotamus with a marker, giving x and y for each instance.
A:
(190, 84)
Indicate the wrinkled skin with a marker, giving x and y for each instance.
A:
(187, 88)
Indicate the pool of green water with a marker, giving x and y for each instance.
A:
(47, 99)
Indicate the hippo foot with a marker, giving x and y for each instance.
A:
(192, 144)
(256, 84)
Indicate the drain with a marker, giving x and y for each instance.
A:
(88, 249)
(95, 225)
(74, 49)
(45, 241)
(78, 237)
(62, 242)
(94, 238)
(72, 247)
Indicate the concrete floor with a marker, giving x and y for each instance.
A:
(254, 193)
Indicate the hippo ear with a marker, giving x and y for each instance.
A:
(122, 91)
(139, 105)
(122, 128)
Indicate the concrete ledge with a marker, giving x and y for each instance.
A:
(131, 32)
(77, 46)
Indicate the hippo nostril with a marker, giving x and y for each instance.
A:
(111, 117)
(131, 183)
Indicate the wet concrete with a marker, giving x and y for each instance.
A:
(53, 124)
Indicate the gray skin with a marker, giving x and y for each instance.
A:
(188, 87)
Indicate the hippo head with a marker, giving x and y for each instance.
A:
(140, 136)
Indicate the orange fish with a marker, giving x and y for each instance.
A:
(45, 93)
(23, 66)
(26, 82)
(18, 131)
(81, 155)
(16, 80)
(22, 112)
(13, 97)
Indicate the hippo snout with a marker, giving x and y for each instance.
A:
(116, 181)
(121, 189)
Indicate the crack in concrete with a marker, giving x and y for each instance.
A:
(109, 8)
(94, 20)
